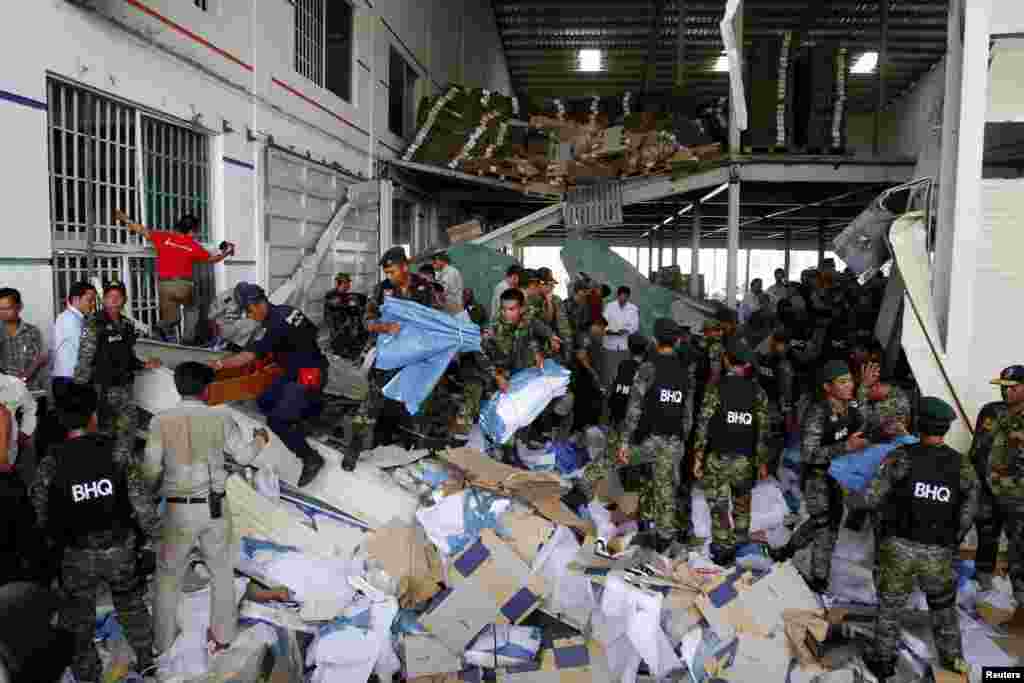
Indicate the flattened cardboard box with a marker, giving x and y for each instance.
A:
(569, 660)
(489, 583)
(427, 656)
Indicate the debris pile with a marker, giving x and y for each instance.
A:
(480, 132)
(444, 566)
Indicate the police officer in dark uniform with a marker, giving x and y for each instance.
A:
(927, 495)
(106, 359)
(88, 504)
(400, 282)
(344, 311)
(624, 379)
(297, 395)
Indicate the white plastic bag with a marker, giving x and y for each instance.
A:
(767, 506)
(700, 514)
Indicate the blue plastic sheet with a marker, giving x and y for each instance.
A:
(478, 513)
(423, 348)
(857, 470)
(529, 393)
(568, 456)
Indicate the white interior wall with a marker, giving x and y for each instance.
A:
(234, 63)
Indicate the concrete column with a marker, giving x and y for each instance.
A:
(967, 223)
(695, 253)
(731, 261)
(945, 227)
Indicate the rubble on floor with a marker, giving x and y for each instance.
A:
(446, 566)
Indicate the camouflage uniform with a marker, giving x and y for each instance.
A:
(990, 519)
(878, 413)
(822, 495)
(776, 373)
(118, 414)
(364, 422)
(102, 557)
(731, 475)
(664, 501)
(902, 560)
(1007, 484)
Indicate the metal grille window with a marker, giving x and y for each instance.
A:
(201, 4)
(323, 44)
(176, 175)
(106, 155)
(309, 39)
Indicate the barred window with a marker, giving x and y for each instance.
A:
(201, 4)
(105, 155)
(323, 44)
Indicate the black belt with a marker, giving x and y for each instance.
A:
(185, 501)
(176, 279)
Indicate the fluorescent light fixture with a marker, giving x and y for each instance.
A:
(865, 64)
(590, 60)
(722, 63)
(715, 192)
(667, 220)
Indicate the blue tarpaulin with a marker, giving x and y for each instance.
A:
(529, 393)
(423, 348)
(856, 470)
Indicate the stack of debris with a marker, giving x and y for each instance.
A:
(474, 131)
(441, 565)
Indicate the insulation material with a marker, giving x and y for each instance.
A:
(861, 245)
(921, 340)
(595, 259)
(489, 584)
(857, 470)
(529, 393)
(457, 520)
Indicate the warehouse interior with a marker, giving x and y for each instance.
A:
(683, 148)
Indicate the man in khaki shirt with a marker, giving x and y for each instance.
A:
(185, 453)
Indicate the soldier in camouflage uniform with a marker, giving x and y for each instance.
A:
(1004, 472)
(927, 495)
(577, 308)
(556, 420)
(400, 283)
(991, 518)
(731, 452)
(106, 359)
(830, 428)
(653, 438)
(885, 407)
(86, 504)
(513, 343)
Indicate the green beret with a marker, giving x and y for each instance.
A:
(936, 410)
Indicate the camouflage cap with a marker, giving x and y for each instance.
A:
(343, 277)
(111, 285)
(833, 370)
(1011, 376)
(546, 276)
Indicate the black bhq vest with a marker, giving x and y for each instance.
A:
(733, 429)
(925, 507)
(665, 402)
(619, 401)
(768, 375)
(838, 427)
(89, 493)
(115, 362)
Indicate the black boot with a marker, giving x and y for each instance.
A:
(883, 671)
(723, 556)
(819, 586)
(782, 553)
(312, 463)
(348, 463)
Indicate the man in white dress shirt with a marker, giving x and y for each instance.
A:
(67, 333)
(623, 320)
(451, 279)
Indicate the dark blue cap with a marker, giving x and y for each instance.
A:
(247, 294)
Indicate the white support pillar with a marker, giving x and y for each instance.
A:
(732, 255)
(695, 253)
(968, 211)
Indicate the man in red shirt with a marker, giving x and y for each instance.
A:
(176, 252)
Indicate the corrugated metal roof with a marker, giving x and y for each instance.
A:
(541, 39)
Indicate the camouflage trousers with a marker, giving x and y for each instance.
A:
(729, 476)
(777, 437)
(364, 422)
(469, 411)
(901, 563)
(824, 500)
(990, 520)
(658, 498)
(119, 416)
(82, 571)
(1014, 514)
